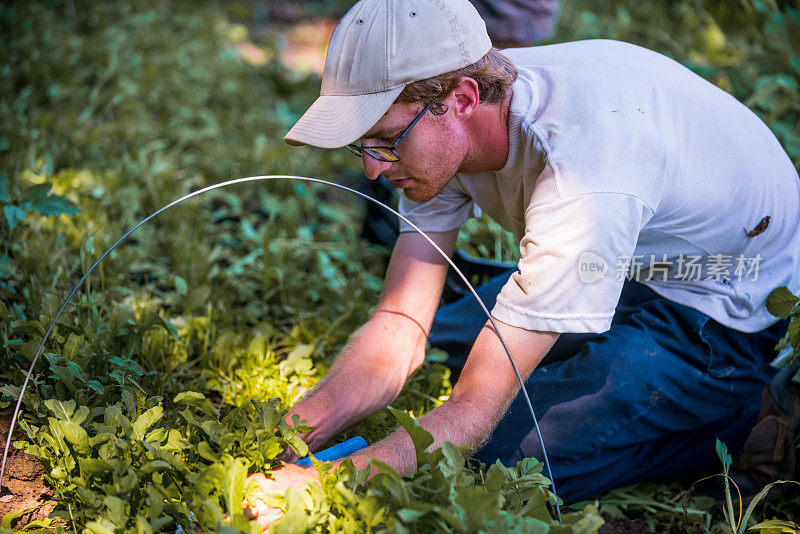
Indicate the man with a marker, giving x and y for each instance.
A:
(604, 159)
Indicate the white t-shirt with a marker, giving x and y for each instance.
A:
(621, 159)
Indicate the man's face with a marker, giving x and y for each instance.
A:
(430, 154)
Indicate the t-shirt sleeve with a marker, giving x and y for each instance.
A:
(446, 211)
(569, 277)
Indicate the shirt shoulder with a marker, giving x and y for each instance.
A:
(598, 125)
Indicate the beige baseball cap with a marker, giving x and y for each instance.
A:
(378, 48)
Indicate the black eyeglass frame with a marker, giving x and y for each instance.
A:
(372, 151)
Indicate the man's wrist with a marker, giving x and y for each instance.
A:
(405, 315)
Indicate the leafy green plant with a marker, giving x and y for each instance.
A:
(784, 305)
(484, 238)
(776, 526)
(736, 521)
(124, 466)
(659, 506)
(17, 202)
(444, 495)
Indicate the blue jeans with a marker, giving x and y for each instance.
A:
(646, 399)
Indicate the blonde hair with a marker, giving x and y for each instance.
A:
(494, 74)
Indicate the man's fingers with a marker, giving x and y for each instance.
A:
(256, 496)
(268, 517)
(263, 514)
(250, 511)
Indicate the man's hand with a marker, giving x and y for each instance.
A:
(288, 476)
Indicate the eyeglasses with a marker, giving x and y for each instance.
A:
(386, 153)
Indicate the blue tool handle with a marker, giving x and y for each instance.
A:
(339, 450)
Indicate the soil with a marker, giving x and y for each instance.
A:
(22, 482)
(623, 526)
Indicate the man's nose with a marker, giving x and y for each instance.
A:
(373, 167)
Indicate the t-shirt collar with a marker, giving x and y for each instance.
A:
(522, 110)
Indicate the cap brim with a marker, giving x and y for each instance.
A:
(334, 121)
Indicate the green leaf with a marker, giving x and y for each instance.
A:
(238, 266)
(453, 461)
(757, 499)
(32, 327)
(176, 441)
(116, 510)
(296, 519)
(495, 476)
(725, 458)
(197, 400)
(146, 420)
(14, 215)
(10, 517)
(209, 480)
(34, 193)
(216, 431)
(407, 515)
(156, 465)
(4, 188)
(95, 385)
(793, 334)
(75, 433)
(122, 422)
(94, 466)
(11, 391)
(254, 492)
(53, 205)
(81, 414)
(205, 451)
(386, 469)
(180, 286)
(248, 231)
(62, 410)
(71, 347)
(268, 416)
(779, 525)
(7, 267)
(421, 438)
(101, 526)
(155, 501)
(298, 445)
(233, 486)
(478, 504)
(586, 522)
(781, 301)
(169, 327)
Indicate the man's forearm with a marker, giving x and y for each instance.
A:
(372, 369)
(460, 423)
(482, 395)
(366, 377)
(341, 401)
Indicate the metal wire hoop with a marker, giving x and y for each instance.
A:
(266, 177)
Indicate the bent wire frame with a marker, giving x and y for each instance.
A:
(302, 179)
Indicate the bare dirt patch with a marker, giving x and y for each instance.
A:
(23, 486)
(623, 526)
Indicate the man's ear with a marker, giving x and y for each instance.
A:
(466, 97)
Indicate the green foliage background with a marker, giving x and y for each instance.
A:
(164, 381)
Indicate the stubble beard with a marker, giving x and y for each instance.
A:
(431, 185)
(426, 192)
(450, 159)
